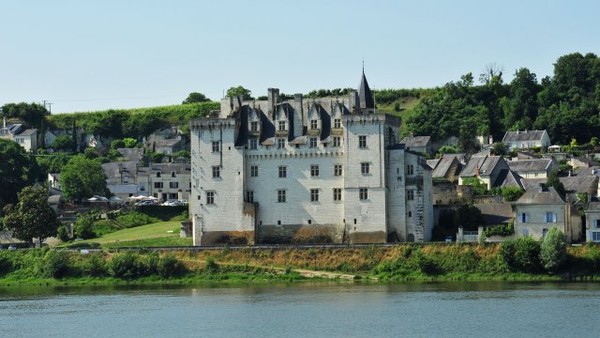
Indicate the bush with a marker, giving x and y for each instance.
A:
(63, 233)
(134, 219)
(500, 230)
(521, 255)
(84, 227)
(94, 266)
(511, 193)
(211, 265)
(170, 266)
(126, 265)
(553, 252)
(55, 264)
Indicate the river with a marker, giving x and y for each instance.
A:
(491, 309)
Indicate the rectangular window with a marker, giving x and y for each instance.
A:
(216, 171)
(216, 146)
(337, 170)
(253, 143)
(253, 171)
(544, 232)
(254, 126)
(280, 143)
(314, 195)
(410, 169)
(337, 123)
(281, 196)
(172, 196)
(337, 141)
(362, 141)
(409, 214)
(314, 124)
(363, 194)
(596, 224)
(410, 195)
(281, 126)
(158, 185)
(250, 196)
(550, 217)
(364, 168)
(174, 185)
(158, 174)
(524, 217)
(337, 194)
(314, 170)
(210, 197)
(313, 142)
(282, 171)
(596, 236)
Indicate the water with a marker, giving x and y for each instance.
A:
(306, 310)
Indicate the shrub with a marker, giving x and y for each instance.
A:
(84, 227)
(500, 230)
(55, 264)
(211, 265)
(511, 193)
(94, 266)
(63, 233)
(508, 251)
(527, 255)
(134, 219)
(170, 266)
(126, 265)
(553, 252)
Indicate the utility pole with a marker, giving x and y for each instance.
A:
(48, 104)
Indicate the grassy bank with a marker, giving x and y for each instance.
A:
(374, 264)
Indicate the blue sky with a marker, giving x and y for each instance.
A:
(93, 55)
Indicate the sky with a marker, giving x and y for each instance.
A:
(95, 55)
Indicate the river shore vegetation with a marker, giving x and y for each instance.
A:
(519, 260)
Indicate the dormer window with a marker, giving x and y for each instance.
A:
(314, 124)
(254, 126)
(337, 123)
(281, 126)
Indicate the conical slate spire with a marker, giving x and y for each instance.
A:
(364, 93)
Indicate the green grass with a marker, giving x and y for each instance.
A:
(154, 234)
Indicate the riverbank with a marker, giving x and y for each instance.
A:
(373, 264)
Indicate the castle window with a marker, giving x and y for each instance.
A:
(314, 124)
(313, 142)
(362, 141)
(216, 146)
(363, 194)
(254, 126)
(410, 195)
(314, 170)
(337, 141)
(282, 171)
(280, 143)
(364, 168)
(250, 196)
(216, 172)
(210, 197)
(410, 169)
(337, 170)
(314, 195)
(253, 143)
(409, 214)
(337, 194)
(173, 185)
(158, 174)
(281, 126)
(281, 198)
(158, 185)
(253, 171)
(337, 123)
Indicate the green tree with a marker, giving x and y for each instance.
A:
(82, 178)
(468, 216)
(553, 251)
(84, 227)
(239, 91)
(500, 148)
(129, 142)
(63, 143)
(32, 113)
(554, 182)
(15, 171)
(195, 97)
(31, 217)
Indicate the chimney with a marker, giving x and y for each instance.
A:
(4, 121)
(273, 99)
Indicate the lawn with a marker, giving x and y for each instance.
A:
(154, 234)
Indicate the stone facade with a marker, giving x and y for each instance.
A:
(300, 171)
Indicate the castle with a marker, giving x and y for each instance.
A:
(326, 170)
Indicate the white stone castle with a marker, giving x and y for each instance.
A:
(326, 170)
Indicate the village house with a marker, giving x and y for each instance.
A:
(533, 168)
(446, 167)
(526, 139)
(592, 222)
(26, 138)
(419, 144)
(491, 170)
(306, 170)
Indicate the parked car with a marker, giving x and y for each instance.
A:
(172, 204)
(12, 247)
(144, 202)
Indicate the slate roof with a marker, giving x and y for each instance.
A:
(532, 183)
(442, 165)
(535, 196)
(364, 94)
(28, 132)
(523, 135)
(113, 169)
(529, 165)
(582, 181)
(486, 165)
(587, 161)
(593, 206)
(416, 141)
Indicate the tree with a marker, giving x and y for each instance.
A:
(15, 171)
(82, 178)
(63, 142)
(31, 217)
(195, 97)
(239, 91)
(553, 251)
(468, 216)
(32, 113)
(554, 182)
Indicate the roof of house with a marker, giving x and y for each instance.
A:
(587, 161)
(28, 132)
(529, 165)
(115, 169)
(509, 178)
(593, 206)
(523, 135)
(443, 165)
(416, 141)
(495, 213)
(582, 181)
(485, 165)
(539, 196)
